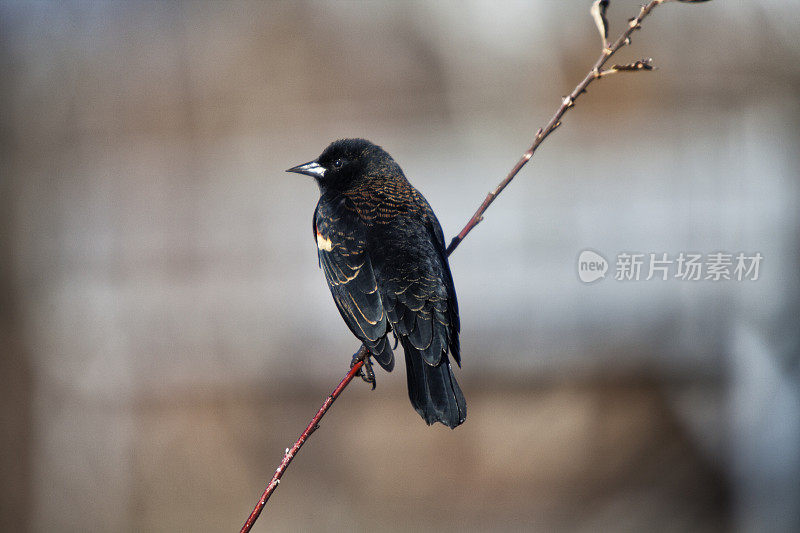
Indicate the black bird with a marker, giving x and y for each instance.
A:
(383, 253)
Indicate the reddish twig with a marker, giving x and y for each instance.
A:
(291, 452)
(568, 101)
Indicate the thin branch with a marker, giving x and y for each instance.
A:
(291, 452)
(568, 102)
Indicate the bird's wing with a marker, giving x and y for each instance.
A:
(341, 246)
(422, 305)
(453, 320)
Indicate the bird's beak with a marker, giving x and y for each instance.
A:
(312, 168)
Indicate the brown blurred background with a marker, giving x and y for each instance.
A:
(166, 333)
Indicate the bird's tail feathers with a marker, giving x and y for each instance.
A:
(433, 390)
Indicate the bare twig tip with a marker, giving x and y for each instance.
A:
(642, 64)
(598, 12)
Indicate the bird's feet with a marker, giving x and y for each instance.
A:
(365, 372)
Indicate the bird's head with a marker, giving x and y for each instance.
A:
(344, 162)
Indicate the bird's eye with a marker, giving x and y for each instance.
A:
(338, 163)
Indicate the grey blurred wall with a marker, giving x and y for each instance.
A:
(160, 287)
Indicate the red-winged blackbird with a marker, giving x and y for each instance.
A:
(383, 253)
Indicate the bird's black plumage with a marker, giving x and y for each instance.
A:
(383, 253)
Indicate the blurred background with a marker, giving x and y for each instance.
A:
(166, 332)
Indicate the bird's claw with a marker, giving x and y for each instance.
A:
(365, 372)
